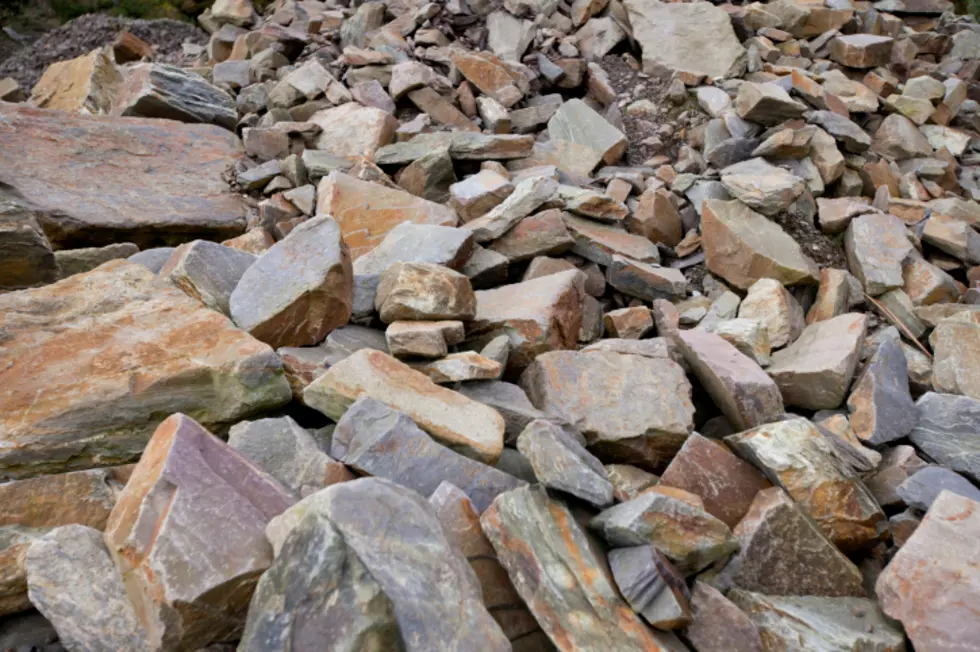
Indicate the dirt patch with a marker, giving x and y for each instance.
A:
(823, 249)
(86, 33)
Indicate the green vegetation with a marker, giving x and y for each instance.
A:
(69, 9)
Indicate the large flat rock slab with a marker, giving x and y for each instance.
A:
(90, 365)
(94, 181)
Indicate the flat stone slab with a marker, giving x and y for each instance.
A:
(95, 181)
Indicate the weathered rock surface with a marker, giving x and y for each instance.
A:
(207, 271)
(922, 488)
(770, 303)
(946, 431)
(876, 245)
(424, 291)
(562, 463)
(651, 586)
(153, 90)
(880, 404)
(956, 365)
(717, 625)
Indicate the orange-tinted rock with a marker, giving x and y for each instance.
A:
(932, 585)
(708, 469)
(367, 211)
(491, 75)
(127, 47)
(353, 130)
(657, 219)
(93, 363)
(717, 625)
(553, 567)
(188, 535)
(861, 50)
(628, 323)
(85, 85)
(172, 188)
(255, 241)
(424, 292)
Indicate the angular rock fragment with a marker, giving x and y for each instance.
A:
(645, 281)
(651, 586)
(898, 138)
(956, 346)
(424, 291)
(880, 404)
(628, 323)
(188, 535)
(155, 90)
(451, 418)
(717, 625)
(491, 75)
(946, 431)
(541, 234)
(207, 272)
(461, 367)
(769, 302)
(578, 123)
(352, 130)
(922, 488)
(423, 339)
(601, 242)
(761, 186)
(795, 455)
(645, 426)
(561, 463)
(475, 195)
(766, 104)
(77, 261)
(507, 399)
(876, 244)
(527, 197)
(87, 84)
(749, 336)
(861, 50)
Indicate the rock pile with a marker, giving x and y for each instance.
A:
(522, 325)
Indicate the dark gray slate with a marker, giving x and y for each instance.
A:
(651, 585)
(507, 399)
(155, 90)
(560, 462)
(881, 407)
(922, 488)
(948, 431)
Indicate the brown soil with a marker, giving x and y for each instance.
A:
(824, 250)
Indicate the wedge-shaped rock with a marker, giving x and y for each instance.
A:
(815, 371)
(435, 596)
(686, 534)
(768, 302)
(147, 351)
(461, 522)
(796, 456)
(367, 211)
(576, 122)
(86, 85)
(762, 186)
(782, 551)
(645, 425)
(318, 593)
(74, 584)
(26, 258)
(643, 281)
(299, 290)
(541, 234)
(507, 399)
(739, 386)
(172, 186)
(876, 244)
(528, 195)
(188, 535)
(717, 625)
(554, 568)
(946, 431)
(491, 75)
(651, 585)
(933, 583)
(427, 339)
(287, 452)
(373, 439)
(709, 470)
(424, 291)
(477, 194)
(694, 38)
(880, 404)
(30, 508)
(207, 271)
(352, 130)
(456, 421)
(461, 367)
(743, 246)
(156, 90)
(600, 243)
(540, 315)
(820, 624)
(956, 363)
(560, 462)
(767, 104)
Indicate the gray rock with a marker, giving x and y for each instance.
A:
(576, 122)
(435, 595)
(645, 281)
(921, 489)
(651, 586)
(76, 261)
(947, 431)
(374, 439)
(717, 625)
(507, 399)
(876, 244)
(318, 594)
(561, 463)
(880, 404)
(72, 580)
(25, 251)
(207, 271)
(852, 137)
(156, 90)
(527, 196)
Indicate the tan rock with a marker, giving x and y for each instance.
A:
(628, 323)
(423, 292)
(491, 75)
(353, 130)
(876, 244)
(576, 122)
(926, 284)
(254, 241)
(766, 104)
(474, 196)
(956, 362)
(460, 367)
(749, 336)
(87, 85)
(600, 243)
(953, 236)
(656, 218)
(768, 302)
(441, 110)
(427, 339)
(833, 297)
(468, 427)
(861, 50)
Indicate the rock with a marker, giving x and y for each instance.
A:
(876, 244)
(931, 585)
(206, 271)
(629, 481)
(423, 339)
(132, 337)
(953, 236)
(717, 625)
(77, 261)
(74, 583)
(815, 371)
(643, 281)
(255, 241)
(687, 535)
(86, 85)
(299, 290)
(945, 431)
(475, 195)
(424, 291)
(429, 177)
(172, 189)
(740, 388)
(352, 130)
(317, 583)
(375, 440)
(795, 455)
(782, 551)
(407, 76)
(656, 218)
(768, 302)
(553, 567)
(288, 453)
(187, 534)
(955, 346)
(34, 506)
(896, 465)
(507, 399)
(898, 138)
(766, 104)
(743, 246)
(707, 469)
(155, 90)
(578, 123)
(628, 323)
(451, 418)
(540, 315)
(491, 75)
(25, 251)
(921, 489)
(850, 135)
(152, 259)
(561, 463)
(441, 110)
(821, 624)
(645, 428)
(434, 595)
(696, 39)
(926, 284)
(749, 336)
(880, 404)
(527, 197)
(861, 50)
(601, 242)
(461, 367)
(651, 586)
(367, 212)
(761, 186)
(540, 234)
(486, 268)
